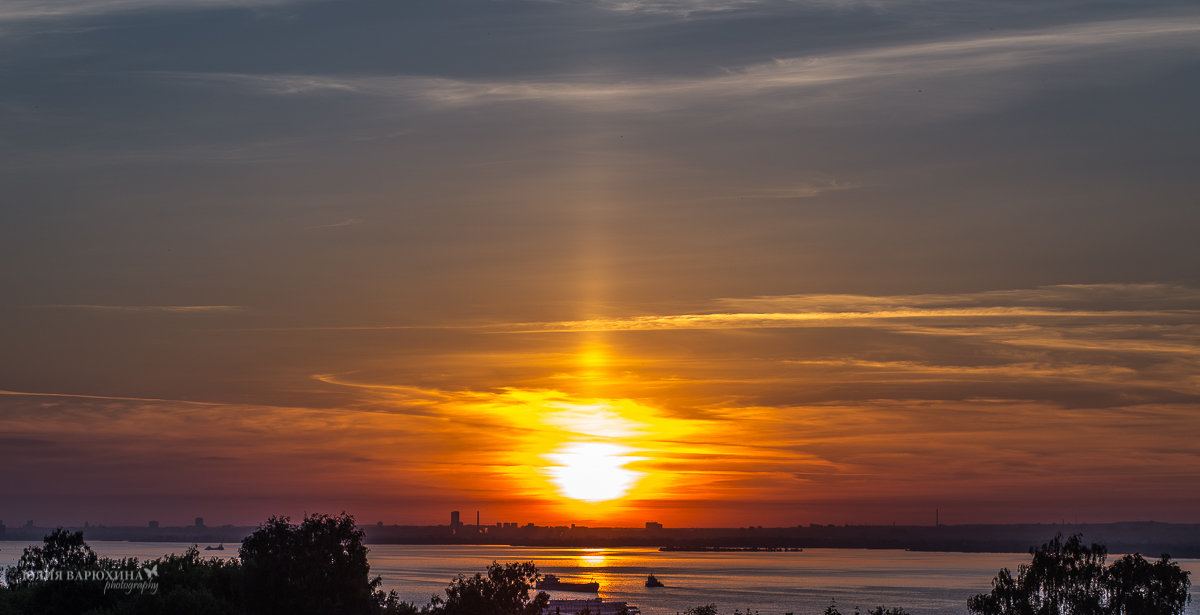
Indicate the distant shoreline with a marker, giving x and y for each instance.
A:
(1148, 538)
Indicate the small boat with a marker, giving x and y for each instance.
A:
(220, 547)
(652, 581)
(553, 583)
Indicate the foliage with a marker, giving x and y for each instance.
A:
(504, 591)
(1135, 586)
(390, 604)
(187, 584)
(708, 609)
(1069, 578)
(879, 610)
(62, 552)
(317, 566)
(190, 585)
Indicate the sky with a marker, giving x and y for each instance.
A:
(703, 262)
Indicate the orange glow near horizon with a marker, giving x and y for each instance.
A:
(593, 471)
(590, 466)
(619, 429)
(596, 441)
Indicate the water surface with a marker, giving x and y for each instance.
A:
(803, 583)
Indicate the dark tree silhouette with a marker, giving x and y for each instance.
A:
(504, 591)
(1070, 578)
(188, 584)
(879, 610)
(1134, 586)
(318, 566)
(61, 552)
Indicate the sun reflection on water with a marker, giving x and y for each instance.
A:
(593, 557)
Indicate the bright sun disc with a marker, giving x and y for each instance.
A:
(593, 471)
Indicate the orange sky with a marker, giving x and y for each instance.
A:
(1059, 402)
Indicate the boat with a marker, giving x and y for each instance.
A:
(220, 547)
(652, 581)
(553, 583)
(596, 606)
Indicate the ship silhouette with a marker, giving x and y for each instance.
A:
(553, 583)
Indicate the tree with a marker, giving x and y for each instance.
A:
(1069, 578)
(505, 591)
(1134, 586)
(879, 610)
(707, 609)
(186, 584)
(61, 550)
(190, 584)
(391, 604)
(39, 581)
(318, 566)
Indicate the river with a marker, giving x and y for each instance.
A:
(803, 583)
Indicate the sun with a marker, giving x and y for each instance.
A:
(593, 471)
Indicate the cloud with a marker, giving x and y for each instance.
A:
(20, 10)
(148, 446)
(166, 309)
(104, 397)
(1070, 346)
(960, 74)
(1067, 302)
(1143, 296)
(979, 394)
(346, 222)
(90, 155)
(679, 7)
(20, 443)
(755, 320)
(695, 8)
(802, 190)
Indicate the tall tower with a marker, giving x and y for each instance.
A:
(454, 520)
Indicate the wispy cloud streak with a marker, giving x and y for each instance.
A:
(942, 61)
(790, 319)
(346, 222)
(19, 10)
(165, 309)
